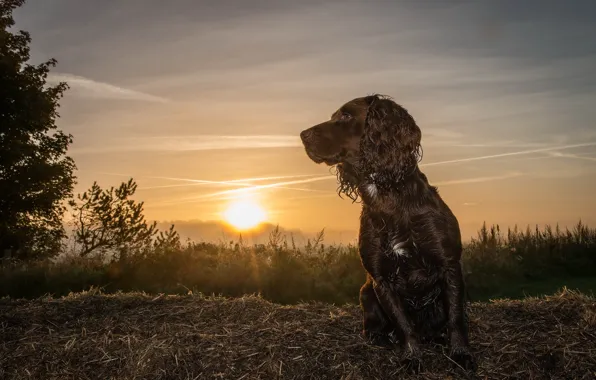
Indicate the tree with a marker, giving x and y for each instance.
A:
(36, 176)
(108, 221)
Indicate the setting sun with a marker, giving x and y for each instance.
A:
(244, 214)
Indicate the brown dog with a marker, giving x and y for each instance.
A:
(410, 242)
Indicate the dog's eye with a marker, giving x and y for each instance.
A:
(345, 116)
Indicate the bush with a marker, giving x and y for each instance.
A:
(282, 273)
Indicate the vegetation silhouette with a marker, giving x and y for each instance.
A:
(36, 175)
(110, 222)
(496, 264)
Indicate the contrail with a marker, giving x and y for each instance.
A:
(279, 184)
(558, 154)
(509, 154)
(223, 184)
(101, 89)
(477, 179)
(234, 182)
(193, 181)
(270, 178)
(272, 185)
(245, 182)
(169, 186)
(247, 187)
(191, 143)
(505, 144)
(268, 186)
(227, 195)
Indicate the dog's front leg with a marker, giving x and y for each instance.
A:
(371, 255)
(394, 309)
(457, 324)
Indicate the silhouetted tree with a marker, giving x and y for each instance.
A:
(36, 176)
(166, 242)
(109, 221)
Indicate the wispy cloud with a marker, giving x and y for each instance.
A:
(262, 187)
(499, 144)
(236, 182)
(478, 179)
(245, 182)
(470, 204)
(91, 88)
(247, 186)
(322, 178)
(195, 143)
(207, 142)
(576, 156)
(518, 153)
(234, 193)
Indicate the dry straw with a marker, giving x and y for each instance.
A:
(136, 336)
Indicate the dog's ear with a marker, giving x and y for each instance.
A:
(391, 140)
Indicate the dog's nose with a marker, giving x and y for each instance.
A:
(305, 135)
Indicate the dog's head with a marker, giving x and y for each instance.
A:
(368, 137)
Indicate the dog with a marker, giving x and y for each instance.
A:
(409, 240)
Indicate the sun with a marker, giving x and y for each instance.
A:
(244, 214)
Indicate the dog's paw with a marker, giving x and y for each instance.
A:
(412, 359)
(464, 358)
(412, 363)
(378, 339)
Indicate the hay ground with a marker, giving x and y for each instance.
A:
(136, 336)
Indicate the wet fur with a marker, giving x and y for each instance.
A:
(409, 240)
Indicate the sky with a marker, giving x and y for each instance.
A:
(185, 96)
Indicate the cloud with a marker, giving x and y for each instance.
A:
(245, 190)
(247, 187)
(554, 148)
(245, 182)
(90, 88)
(568, 155)
(500, 144)
(470, 204)
(219, 194)
(477, 179)
(236, 182)
(194, 143)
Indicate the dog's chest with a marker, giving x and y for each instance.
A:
(408, 266)
(399, 245)
(400, 248)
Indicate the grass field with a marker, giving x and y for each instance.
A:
(137, 336)
(497, 264)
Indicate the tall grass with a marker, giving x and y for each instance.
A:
(496, 258)
(283, 273)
